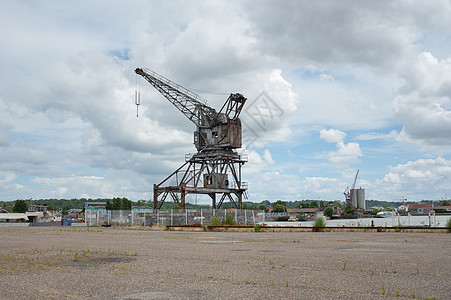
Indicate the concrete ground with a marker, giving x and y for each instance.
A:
(109, 263)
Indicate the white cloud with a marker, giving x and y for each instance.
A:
(332, 135)
(346, 153)
(424, 103)
(416, 180)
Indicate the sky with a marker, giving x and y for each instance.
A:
(332, 86)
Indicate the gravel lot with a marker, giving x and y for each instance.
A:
(109, 263)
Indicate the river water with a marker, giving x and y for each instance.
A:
(433, 221)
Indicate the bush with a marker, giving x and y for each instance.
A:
(256, 228)
(319, 222)
(214, 221)
(448, 225)
(229, 220)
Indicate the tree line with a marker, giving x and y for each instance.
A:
(122, 203)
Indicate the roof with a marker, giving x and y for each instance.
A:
(13, 216)
(422, 205)
(308, 210)
(445, 207)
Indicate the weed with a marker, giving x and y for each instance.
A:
(383, 289)
(319, 222)
(284, 265)
(287, 282)
(214, 221)
(413, 294)
(256, 228)
(397, 293)
(344, 266)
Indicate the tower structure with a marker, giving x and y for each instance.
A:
(216, 167)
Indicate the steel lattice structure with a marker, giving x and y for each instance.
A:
(216, 167)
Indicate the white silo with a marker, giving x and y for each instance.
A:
(358, 198)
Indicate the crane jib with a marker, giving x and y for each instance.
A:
(214, 129)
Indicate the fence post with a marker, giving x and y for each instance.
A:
(186, 216)
(131, 213)
(253, 217)
(245, 217)
(263, 216)
(158, 217)
(236, 215)
(201, 218)
(171, 217)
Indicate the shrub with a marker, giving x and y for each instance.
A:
(214, 221)
(448, 225)
(229, 220)
(319, 222)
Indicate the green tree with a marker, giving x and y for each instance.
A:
(126, 204)
(266, 202)
(445, 203)
(279, 208)
(314, 204)
(349, 210)
(262, 207)
(329, 211)
(117, 204)
(108, 205)
(141, 203)
(20, 206)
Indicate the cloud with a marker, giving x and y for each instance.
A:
(66, 87)
(329, 32)
(346, 153)
(332, 135)
(424, 102)
(416, 180)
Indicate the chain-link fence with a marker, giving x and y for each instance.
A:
(99, 217)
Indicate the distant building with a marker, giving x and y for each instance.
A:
(423, 208)
(13, 218)
(37, 208)
(446, 208)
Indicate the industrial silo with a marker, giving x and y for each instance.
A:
(358, 198)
